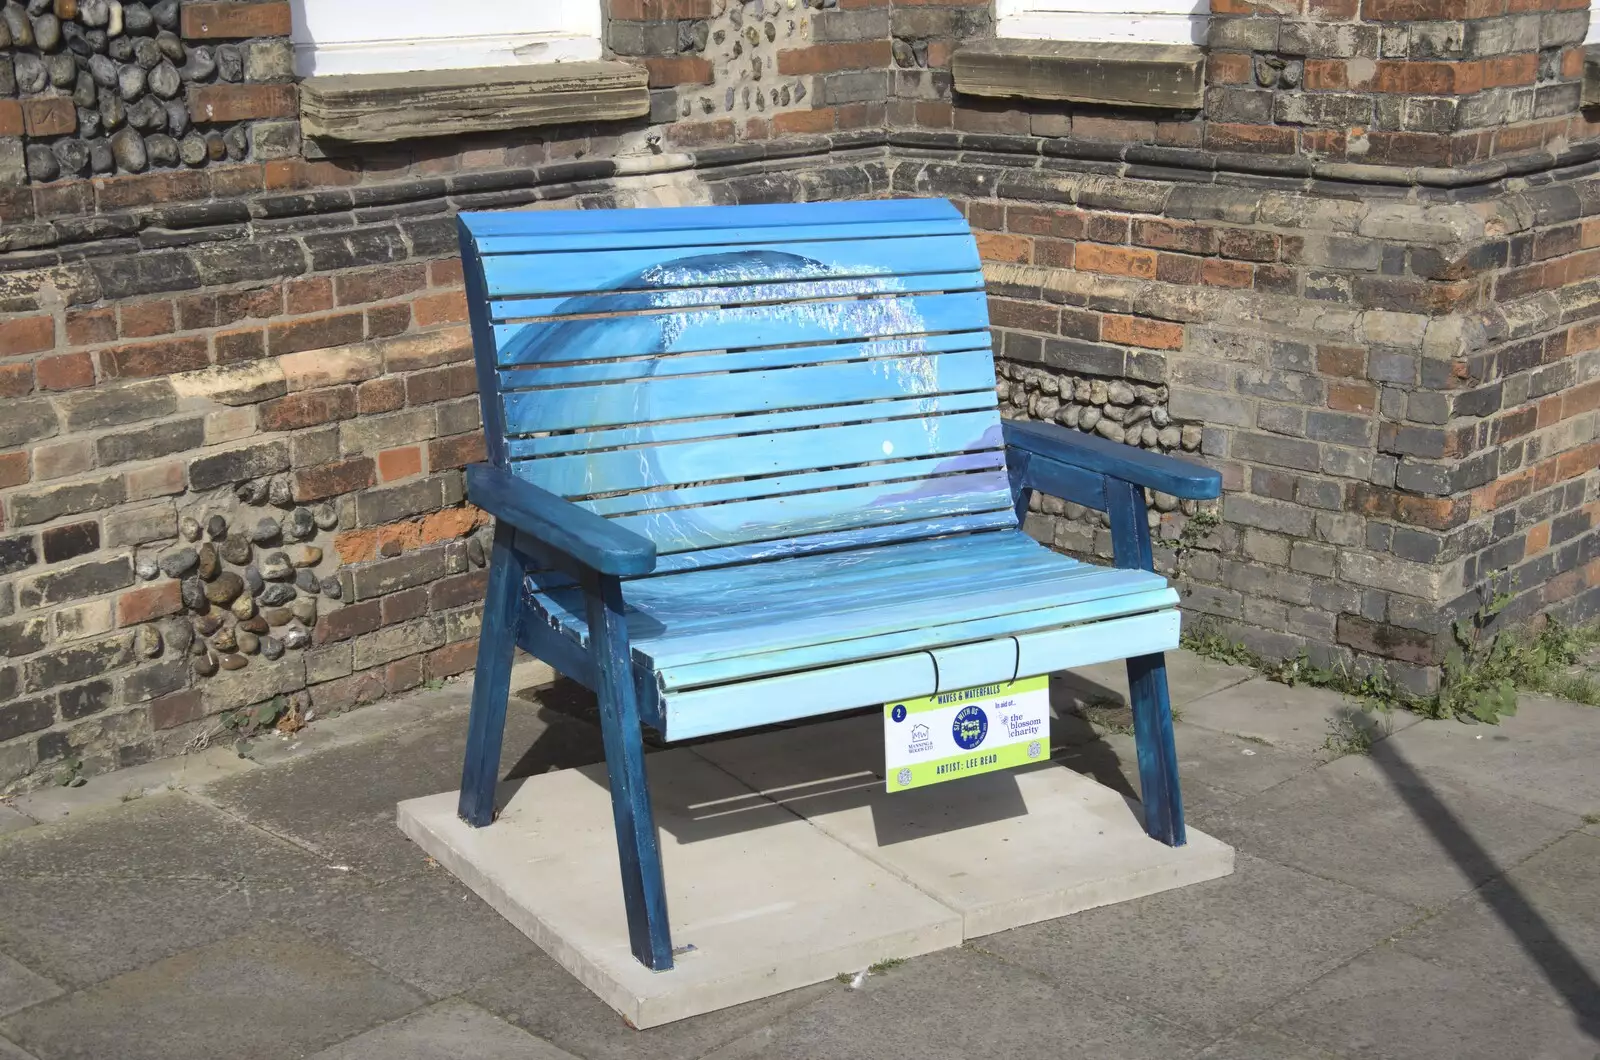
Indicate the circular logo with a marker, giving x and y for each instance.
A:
(971, 726)
(899, 712)
(1033, 749)
(904, 777)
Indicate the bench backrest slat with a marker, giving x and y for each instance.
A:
(743, 382)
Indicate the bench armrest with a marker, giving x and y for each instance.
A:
(1165, 474)
(592, 540)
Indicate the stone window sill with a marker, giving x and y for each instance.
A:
(1168, 76)
(376, 108)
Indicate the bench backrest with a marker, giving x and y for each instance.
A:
(745, 381)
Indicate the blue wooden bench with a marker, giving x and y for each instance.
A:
(747, 466)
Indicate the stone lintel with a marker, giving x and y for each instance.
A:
(1135, 75)
(382, 107)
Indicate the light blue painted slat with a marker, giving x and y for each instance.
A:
(661, 367)
(516, 275)
(711, 639)
(734, 426)
(956, 658)
(694, 397)
(588, 474)
(780, 519)
(725, 708)
(686, 238)
(740, 328)
(560, 222)
(749, 489)
(835, 540)
(681, 297)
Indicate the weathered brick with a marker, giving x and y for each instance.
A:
(113, 406)
(395, 642)
(458, 590)
(27, 420)
(441, 384)
(395, 464)
(401, 572)
(351, 620)
(330, 480)
(178, 708)
(17, 553)
(42, 505)
(229, 103)
(238, 465)
(32, 334)
(79, 662)
(257, 683)
(308, 408)
(453, 659)
(372, 434)
(144, 360)
(19, 717)
(85, 700)
(70, 541)
(149, 442)
(315, 333)
(236, 20)
(379, 506)
(148, 602)
(155, 679)
(459, 451)
(410, 353)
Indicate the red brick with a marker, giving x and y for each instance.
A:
(148, 602)
(312, 295)
(49, 116)
(180, 708)
(1347, 361)
(1041, 221)
(446, 273)
(450, 307)
(11, 123)
(308, 408)
(1250, 139)
(16, 380)
(1028, 316)
(1137, 331)
(456, 451)
(145, 189)
(380, 395)
(13, 469)
(458, 590)
(1352, 397)
(86, 326)
(1118, 261)
(402, 675)
(1250, 246)
(299, 174)
(144, 319)
(994, 247)
(315, 333)
(378, 285)
(441, 384)
(405, 605)
(411, 352)
(330, 480)
(400, 463)
(453, 659)
(1179, 268)
(161, 480)
(1176, 235)
(1219, 273)
(677, 70)
(824, 58)
(228, 103)
(804, 121)
(385, 321)
(235, 20)
(243, 344)
(351, 620)
(142, 360)
(65, 371)
(27, 335)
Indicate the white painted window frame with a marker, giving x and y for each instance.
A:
(396, 36)
(1139, 21)
(1593, 36)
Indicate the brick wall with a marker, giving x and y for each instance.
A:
(1394, 366)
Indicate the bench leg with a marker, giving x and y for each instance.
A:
(497, 641)
(1158, 753)
(643, 891)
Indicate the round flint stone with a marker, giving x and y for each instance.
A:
(179, 561)
(72, 154)
(131, 82)
(271, 647)
(216, 527)
(171, 46)
(230, 62)
(275, 594)
(326, 516)
(103, 70)
(145, 114)
(300, 524)
(166, 14)
(192, 149)
(206, 625)
(306, 581)
(31, 73)
(127, 147)
(146, 568)
(146, 52)
(209, 565)
(136, 19)
(193, 593)
(253, 580)
(83, 95)
(177, 634)
(149, 641)
(63, 70)
(234, 662)
(331, 588)
(237, 142)
(266, 531)
(100, 158)
(205, 665)
(305, 609)
(112, 114)
(281, 493)
(277, 616)
(164, 80)
(47, 32)
(226, 586)
(256, 624)
(243, 606)
(249, 643)
(235, 548)
(42, 162)
(275, 567)
(163, 151)
(296, 638)
(202, 64)
(120, 49)
(225, 640)
(17, 25)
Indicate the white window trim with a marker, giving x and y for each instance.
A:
(1593, 36)
(395, 36)
(1140, 21)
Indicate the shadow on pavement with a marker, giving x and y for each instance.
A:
(1533, 933)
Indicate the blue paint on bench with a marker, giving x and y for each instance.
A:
(747, 466)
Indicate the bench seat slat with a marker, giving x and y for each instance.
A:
(834, 541)
(739, 328)
(580, 273)
(691, 218)
(657, 299)
(766, 390)
(691, 239)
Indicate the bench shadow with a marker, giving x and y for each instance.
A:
(1556, 961)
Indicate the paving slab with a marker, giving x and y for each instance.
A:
(1002, 849)
(768, 902)
(1297, 718)
(958, 1005)
(110, 790)
(1545, 753)
(450, 1030)
(1210, 956)
(1389, 1004)
(314, 801)
(1370, 822)
(9, 1051)
(259, 996)
(13, 820)
(1253, 1042)
(20, 987)
(1189, 677)
(1533, 932)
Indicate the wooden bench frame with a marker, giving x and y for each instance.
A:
(537, 525)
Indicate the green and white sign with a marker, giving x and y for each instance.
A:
(962, 733)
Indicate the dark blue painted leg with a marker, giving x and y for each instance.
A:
(1147, 678)
(1017, 472)
(643, 892)
(1158, 753)
(497, 641)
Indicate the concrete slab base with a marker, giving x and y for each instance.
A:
(786, 863)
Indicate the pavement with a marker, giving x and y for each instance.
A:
(1433, 897)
